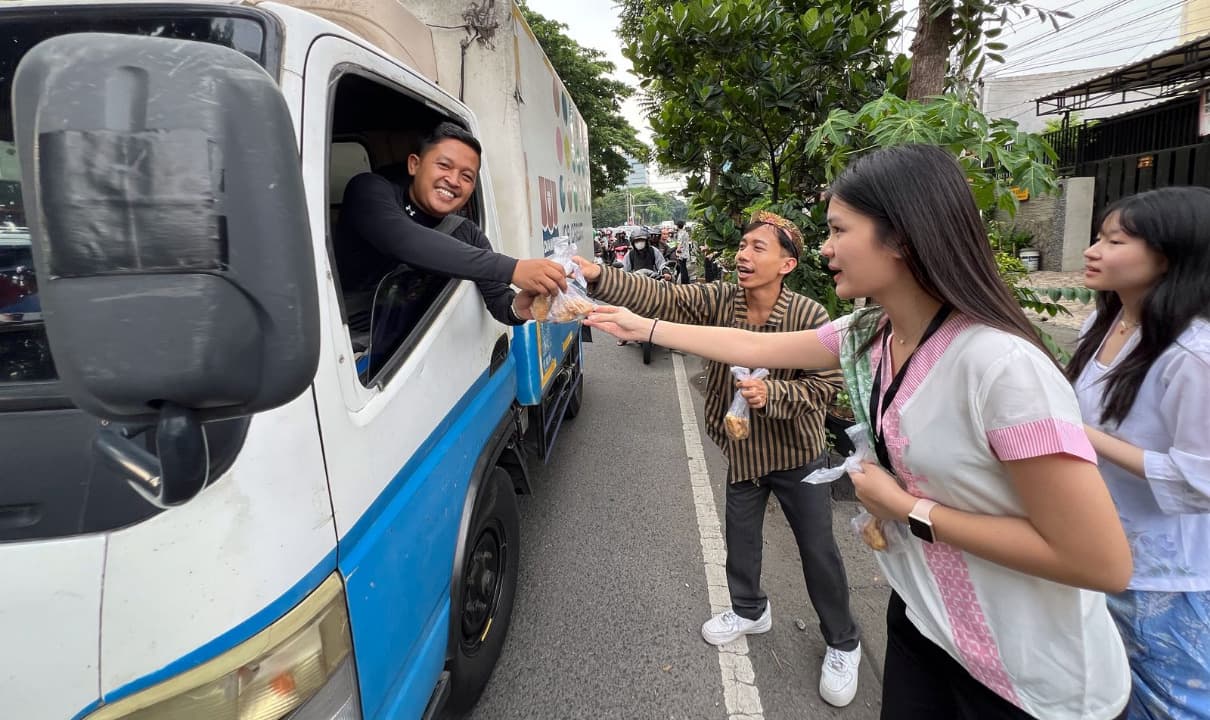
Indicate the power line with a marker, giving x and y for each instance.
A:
(1032, 107)
(1075, 22)
(1082, 33)
(1078, 22)
(1130, 22)
(1059, 61)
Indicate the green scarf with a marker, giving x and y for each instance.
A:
(858, 375)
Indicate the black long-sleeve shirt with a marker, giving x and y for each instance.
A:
(380, 227)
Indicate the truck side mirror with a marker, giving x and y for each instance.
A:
(170, 236)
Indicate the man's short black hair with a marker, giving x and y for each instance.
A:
(449, 131)
(680, 224)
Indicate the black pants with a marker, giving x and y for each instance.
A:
(682, 269)
(808, 509)
(920, 680)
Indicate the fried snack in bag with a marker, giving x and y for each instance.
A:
(872, 531)
(869, 529)
(571, 304)
(737, 422)
(541, 308)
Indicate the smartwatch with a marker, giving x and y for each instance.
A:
(918, 519)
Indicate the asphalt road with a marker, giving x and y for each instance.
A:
(613, 589)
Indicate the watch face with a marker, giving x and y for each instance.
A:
(920, 529)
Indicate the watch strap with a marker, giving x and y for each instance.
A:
(922, 510)
(919, 520)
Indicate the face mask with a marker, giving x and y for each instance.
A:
(640, 245)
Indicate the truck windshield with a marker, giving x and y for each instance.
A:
(24, 353)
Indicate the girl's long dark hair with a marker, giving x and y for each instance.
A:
(1175, 222)
(919, 197)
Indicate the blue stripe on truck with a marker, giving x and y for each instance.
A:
(396, 673)
(399, 558)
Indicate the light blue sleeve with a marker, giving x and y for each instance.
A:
(1180, 477)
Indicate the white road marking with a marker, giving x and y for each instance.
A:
(740, 693)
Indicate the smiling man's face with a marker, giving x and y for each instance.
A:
(444, 176)
(761, 260)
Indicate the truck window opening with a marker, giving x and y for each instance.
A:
(375, 126)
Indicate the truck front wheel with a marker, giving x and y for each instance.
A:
(489, 583)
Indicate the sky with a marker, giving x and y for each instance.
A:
(1101, 34)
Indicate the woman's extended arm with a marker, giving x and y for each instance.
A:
(800, 349)
(1071, 533)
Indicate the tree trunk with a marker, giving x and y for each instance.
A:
(930, 51)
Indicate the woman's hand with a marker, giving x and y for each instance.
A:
(621, 323)
(881, 494)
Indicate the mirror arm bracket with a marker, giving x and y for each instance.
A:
(183, 464)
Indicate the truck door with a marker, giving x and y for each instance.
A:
(401, 435)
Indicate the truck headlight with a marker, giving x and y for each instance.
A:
(299, 668)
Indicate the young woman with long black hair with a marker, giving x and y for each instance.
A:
(1142, 375)
(1009, 516)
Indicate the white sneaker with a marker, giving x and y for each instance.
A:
(838, 677)
(725, 627)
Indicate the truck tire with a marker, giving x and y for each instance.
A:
(646, 353)
(486, 597)
(577, 398)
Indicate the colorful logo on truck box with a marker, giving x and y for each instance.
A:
(567, 194)
(549, 204)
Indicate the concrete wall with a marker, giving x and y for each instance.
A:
(1061, 224)
(1040, 217)
(1195, 19)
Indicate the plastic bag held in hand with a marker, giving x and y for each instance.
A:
(862, 452)
(869, 528)
(571, 304)
(737, 422)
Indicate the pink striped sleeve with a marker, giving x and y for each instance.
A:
(829, 337)
(1041, 437)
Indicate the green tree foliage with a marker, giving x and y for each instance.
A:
(955, 39)
(610, 209)
(632, 15)
(735, 86)
(733, 90)
(585, 72)
(996, 155)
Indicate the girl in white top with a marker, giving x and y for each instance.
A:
(1142, 374)
(984, 437)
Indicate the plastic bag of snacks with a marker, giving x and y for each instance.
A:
(738, 422)
(572, 303)
(878, 534)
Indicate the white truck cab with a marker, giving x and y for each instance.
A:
(211, 506)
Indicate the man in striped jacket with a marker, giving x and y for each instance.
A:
(787, 439)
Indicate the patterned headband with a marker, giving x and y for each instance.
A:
(767, 218)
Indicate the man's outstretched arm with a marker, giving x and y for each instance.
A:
(375, 214)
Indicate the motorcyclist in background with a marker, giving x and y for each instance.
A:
(642, 255)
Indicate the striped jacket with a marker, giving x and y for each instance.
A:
(788, 432)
